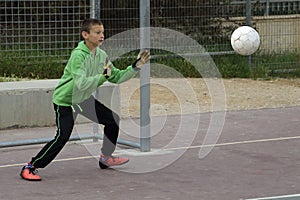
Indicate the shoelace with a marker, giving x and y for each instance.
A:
(113, 158)
(108, 157)
(34, 171)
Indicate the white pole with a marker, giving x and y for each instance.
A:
(95, 13)
(145, 77)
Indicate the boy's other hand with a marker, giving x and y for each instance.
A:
(143, 58)
(107, 68)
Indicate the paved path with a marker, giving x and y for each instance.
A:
(257, 155)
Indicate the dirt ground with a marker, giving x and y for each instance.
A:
(194, 95)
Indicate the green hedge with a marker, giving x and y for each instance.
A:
(229, 66)
(32, 68)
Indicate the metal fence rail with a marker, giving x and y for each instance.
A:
(273, 7)
(72, 138)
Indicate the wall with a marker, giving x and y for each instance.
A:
(29, 103)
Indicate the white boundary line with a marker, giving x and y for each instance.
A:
(277, 197)
(234, 143)
(177, 148)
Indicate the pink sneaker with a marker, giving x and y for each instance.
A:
(30, 173)
(108, 161)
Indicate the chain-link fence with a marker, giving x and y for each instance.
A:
(41, 29)
(38, 36)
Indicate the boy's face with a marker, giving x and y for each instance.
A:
(95, 37)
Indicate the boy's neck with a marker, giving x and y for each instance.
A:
(90, 47)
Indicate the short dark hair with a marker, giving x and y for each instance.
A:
(87, 23)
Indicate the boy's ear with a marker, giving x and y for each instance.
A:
(84, 34)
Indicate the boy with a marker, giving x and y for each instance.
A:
(87, 68)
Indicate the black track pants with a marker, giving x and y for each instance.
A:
(65, 117)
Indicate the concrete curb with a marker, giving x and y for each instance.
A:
(29, 103)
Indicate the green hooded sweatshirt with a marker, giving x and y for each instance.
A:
(83, 74)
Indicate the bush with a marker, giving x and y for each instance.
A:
(229, 66)
(36, 68)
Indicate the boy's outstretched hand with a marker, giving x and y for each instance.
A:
(143, 58)
(107, 68)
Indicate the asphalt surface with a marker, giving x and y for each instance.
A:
(256, 155)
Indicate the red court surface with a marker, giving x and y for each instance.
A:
(257, 155)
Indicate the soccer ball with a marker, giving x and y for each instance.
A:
(245, 40)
